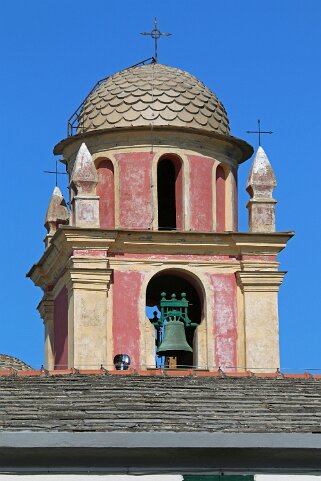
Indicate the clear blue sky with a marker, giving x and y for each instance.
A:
(262, 58)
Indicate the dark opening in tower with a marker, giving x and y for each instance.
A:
(220, 199)
(177, 282)
(169, 193)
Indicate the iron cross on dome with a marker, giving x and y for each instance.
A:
(156, 34)
(259, 131)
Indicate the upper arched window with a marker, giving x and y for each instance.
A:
(106, 192)
(170, 193)
(220, 199)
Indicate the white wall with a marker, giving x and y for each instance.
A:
(287, 477)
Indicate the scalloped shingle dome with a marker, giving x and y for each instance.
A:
(10, 362)
(153, 93)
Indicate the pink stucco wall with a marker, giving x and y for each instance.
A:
(126, 327)
(61, 329)
(225, 320)
(135, 193)
(201, 200)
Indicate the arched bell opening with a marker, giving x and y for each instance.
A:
(170, 193)
(170, 289)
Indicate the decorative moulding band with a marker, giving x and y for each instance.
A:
(158, 372)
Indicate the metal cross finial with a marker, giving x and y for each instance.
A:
(156, 34)
(259, 131)
(55, 172)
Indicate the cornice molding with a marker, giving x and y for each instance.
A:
(260, 281)
(180, 137)
(46, 308)
(54, 261)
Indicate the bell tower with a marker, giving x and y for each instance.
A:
(153, 227)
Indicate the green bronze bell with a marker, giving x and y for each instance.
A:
(174, 339)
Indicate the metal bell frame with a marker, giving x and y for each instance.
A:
(172, 310)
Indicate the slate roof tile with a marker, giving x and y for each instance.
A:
(132, 402)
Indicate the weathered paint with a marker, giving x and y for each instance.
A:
(178, 257)
(85, 211)
(89, 253)
(57, 213)
(106, 193)
(260, 185)
(201, 193)
(126, 325)
(83, 176)
(225, 320)
(220, 199)
(61, 329)
(135, 194)
(258, 258)
(83, 181)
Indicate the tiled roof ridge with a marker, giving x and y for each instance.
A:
(159, 372)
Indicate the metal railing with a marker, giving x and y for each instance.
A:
(74, 127)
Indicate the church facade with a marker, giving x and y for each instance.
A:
(153, 209)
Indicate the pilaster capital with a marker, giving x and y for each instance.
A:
(263, 201)
(258, 281)
(93, 274)
(46, 309)
(47, 240)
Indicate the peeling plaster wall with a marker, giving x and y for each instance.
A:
(126, 322)
(225, 320)
(135, 194)
(61, 329)
(262, 330)
(178, 257)
(201, 193)
(89, 328)
(131, 188)
(98, 332)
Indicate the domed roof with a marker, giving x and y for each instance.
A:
(9, 362)
(153, 94)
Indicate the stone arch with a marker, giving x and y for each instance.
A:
(178, 280)
(106, 191)
(170, 192)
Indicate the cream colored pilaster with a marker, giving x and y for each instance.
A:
(261, 320)
(46, 310)
(88, 281)
(240, 330)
